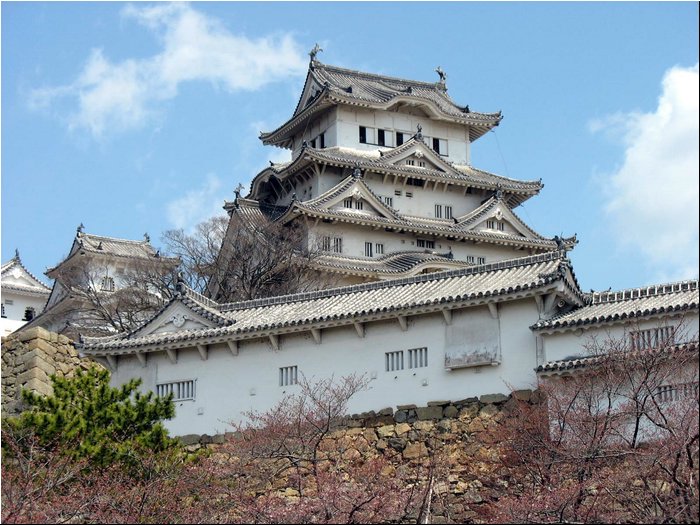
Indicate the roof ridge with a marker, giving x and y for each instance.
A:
(648, 291)
(484, 268)
(104, 237)
(16, 260)
(377, 76)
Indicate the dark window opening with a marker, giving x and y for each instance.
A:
(399, 138)
(322, 140)
(363, 135)
(436, 145)
(29, 314)
(380, 137)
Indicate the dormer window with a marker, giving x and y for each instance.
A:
(107, 284)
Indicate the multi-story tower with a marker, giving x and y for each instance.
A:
(380, 175)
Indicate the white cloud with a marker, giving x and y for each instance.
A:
(653, 196)
(195, 47)
(197, 205)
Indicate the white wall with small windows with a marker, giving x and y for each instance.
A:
(637, 335)
(404, 366)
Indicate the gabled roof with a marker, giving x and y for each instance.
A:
(87, 243)
(627, 305)
(391, 218)
(16, 278)
(515, 191)
(371, 301)
(327, 86)
(393, 265)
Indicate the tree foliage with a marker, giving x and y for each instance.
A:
(89, 419)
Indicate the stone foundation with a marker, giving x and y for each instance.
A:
(29, 358)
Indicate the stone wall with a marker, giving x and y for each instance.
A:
(29, 358)
(452, 436)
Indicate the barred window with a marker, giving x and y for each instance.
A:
(393, 360)
(288, 375)
(652, 338)
(107, 284)
(670, 393)
(181, 390)
(417, 357)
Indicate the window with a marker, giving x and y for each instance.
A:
(491, 225)
(288, 375)
(363, 135)
(9, 302)
(326, 243)
(653, 338)
(3, 311)
(421, 164)
(410, 162)
(440, 146)
(335, 242)
(107, 284)
(399, 138)
(337, 245)
(380, 137)
(409, 194)
(29, 313)
(322, 140)
(379, 249)
(417, 357)
(384, 137)
(368, 249)
(397, 193)
(367, 135)
(313, 143)
(423, 243)
(481, 260)
(470, 259)
(669, 393)
(389, 201)
(393, 360)
(347, 203)
(410, 181)
(181, 390)
(501, 226)
(358, 205)
(448, 212)
(438, 211)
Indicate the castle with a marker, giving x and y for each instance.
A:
(445, 292)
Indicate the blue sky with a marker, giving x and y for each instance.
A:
(134, 118)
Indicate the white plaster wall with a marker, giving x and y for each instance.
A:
(406, 120)
(229, 385)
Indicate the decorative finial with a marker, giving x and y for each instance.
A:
(357, 172)
(560, 242)
(180, 283)
(315, 51)
(80, 228)
(304, 145)
(146, 237)
(294, 196)
(99, 246)
(419, 134)
(16, 254)
(442, 74)
(238, 190)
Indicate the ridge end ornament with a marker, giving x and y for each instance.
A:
(315, 51)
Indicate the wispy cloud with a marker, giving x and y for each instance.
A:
(197, 205)
(653, 196)
(117, 96)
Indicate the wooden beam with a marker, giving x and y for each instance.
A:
(493, 308)
(172, 355)
(232, 347)
(447, 314)
(142, 358)
(275, 341)
(203, 352)
(403, 322)
(316, 333)
(540, 304)
(112, 360)
(360, 329)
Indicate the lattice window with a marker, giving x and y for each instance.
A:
(424, 243)
(288, 375)
(417, 357)
(438, 211)
(393, 360)
(368, 249)
(652, 338)
(448, 212)
(670, 393)
(481, 260)
(181, 390)
(379, 249)
(107, 284)
(347, 203)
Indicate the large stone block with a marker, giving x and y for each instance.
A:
(33, 333)
(450, 411)
(522, 395)
(415, 450)
(39, 387)
(34, 373)
(493, 398)
(425, 413)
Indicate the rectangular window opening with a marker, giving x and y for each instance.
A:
(417, 357)
(181, 390)
(393, 361)
(288, 375)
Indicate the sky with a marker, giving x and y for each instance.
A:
(136, 118)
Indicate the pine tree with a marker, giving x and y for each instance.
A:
(87, 418)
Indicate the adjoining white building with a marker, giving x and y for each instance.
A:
(449, 293)
(105, 285)
(23, 295)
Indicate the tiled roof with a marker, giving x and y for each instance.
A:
(457, 174)
(578, 363)
(15, 265)
(628, 304)
(335, 85)
(384, 299)
(395, 263)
